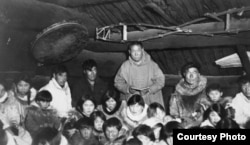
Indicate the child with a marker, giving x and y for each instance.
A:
(133, 141)
(215, 95)
(111, 128)
(85, 107)
(167, 131)
(40, 114)
(49, 136)
(24, 93)
(156, 114)
(145, 134)
(135, 113)
(157, 133)
(84, 135)
(213, 115)
(99, 118)
(227, 123)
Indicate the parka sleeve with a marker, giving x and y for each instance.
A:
(158, 79)
(120, 83)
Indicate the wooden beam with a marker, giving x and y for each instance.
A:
(174, 42)
(81, 3)
(242, 51)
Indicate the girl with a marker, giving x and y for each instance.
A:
(111, 104)
(24, 93)
(213, 115)
(98, 118)
(135, 113)
(85, 107)
(156, 114)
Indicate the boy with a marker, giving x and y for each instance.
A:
(111, 128)
(40, 114)
(84, 135)
(215, 95)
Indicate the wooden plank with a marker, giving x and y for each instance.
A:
(242, 51)
(174, 42)
(81, 3)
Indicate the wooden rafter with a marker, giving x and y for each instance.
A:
(242, 51)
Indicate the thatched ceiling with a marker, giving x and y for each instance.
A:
(22, 20)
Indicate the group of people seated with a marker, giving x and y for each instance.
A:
(130, 111)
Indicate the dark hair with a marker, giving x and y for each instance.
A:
(44, 96)
(111, 93)
(135, 43)
(145, 130)
(84, 123)
(213, 87)
(218, 108)
(152, 109)
(187, 66)
(227, 123)
(23, 77)
(136, 99)
(83, 100)
(47, 135)
(59, 69)
(133, 141)
(97, 114)
(168, 129)
(26, 78)
(88, 64)
(243, 80)
(112, 122)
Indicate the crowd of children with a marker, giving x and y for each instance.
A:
(47, 117)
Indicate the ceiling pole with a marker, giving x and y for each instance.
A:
(242, 51)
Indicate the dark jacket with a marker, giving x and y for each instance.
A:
(82, 88)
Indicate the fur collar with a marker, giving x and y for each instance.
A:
(186, 90)
(138, 117)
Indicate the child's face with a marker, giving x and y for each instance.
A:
(214, 117)
(43, 104)
(136, 109)
(144, 139)
(111, 103)
(88, 107)
(23, 87)
(112, 133)
(215, 95)
(160, 114)
(98, 124)
(86, 132)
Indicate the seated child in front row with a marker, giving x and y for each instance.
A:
(41, 114)
(84, 134)
(112, 128)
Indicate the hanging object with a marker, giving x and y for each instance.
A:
(59, 42)
(222, 23)
(232, 60)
